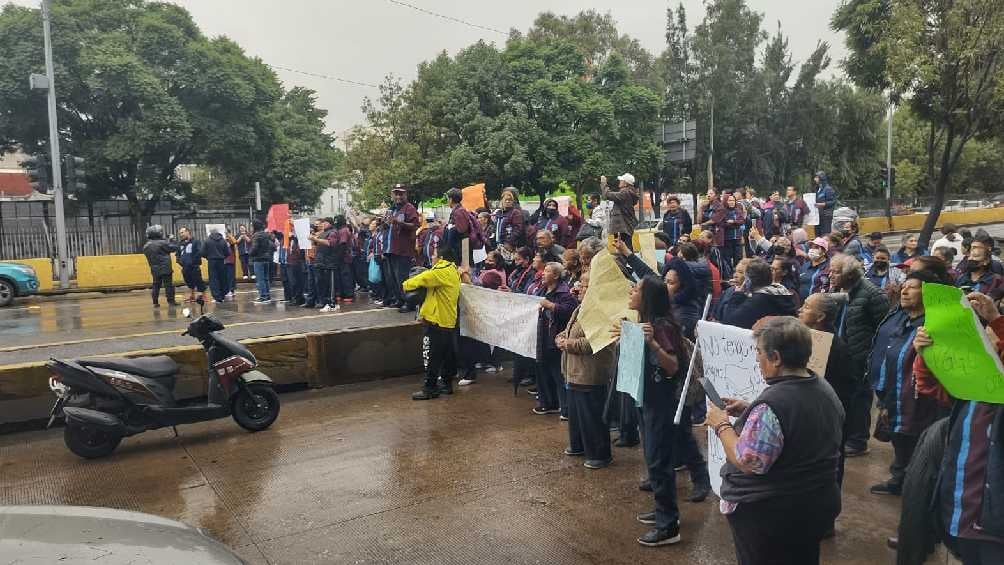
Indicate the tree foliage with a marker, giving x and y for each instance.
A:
(141, 90)
(945, 60)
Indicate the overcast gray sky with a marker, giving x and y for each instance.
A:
(364, 40)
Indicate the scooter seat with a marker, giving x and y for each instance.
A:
(157, 367)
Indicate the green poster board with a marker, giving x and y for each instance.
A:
(962, 357)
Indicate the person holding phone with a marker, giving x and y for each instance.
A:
(779, 483)
(622, 217)
(401, 224)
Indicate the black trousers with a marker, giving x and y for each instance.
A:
(295, 278)
(659, 439)
(550, 382)
(627, 418)
(689, 453)
(442, 355)
(859, 419)
(825, 223)
(218, 279)
(975, 552)
(346, 282)
(785, 530)
(732, 252)
(193, 278)
(327, 286)
(398, 267)
(586, 429)
(167, 281)
(902, 446)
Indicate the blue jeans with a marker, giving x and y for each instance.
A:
(261, 269)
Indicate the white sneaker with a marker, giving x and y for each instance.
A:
(465, 382)
(330, 308)
(480, 365)
(493, 369)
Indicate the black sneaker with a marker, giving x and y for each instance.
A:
(647, 518)
(626, 442)
(657, 537)
(526, 382)
(570, 453)
(425, 394)
(856, 452)
(700, 493)
(886, 488)
(645, 486)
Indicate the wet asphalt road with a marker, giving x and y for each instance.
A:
(363, 474)
(93, 324)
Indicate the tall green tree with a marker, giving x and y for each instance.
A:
(140, 91)
(946, 60)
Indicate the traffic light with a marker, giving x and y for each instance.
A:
(883, 176)
(73, 168)
(38, 169)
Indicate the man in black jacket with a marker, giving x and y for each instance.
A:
(261, 253)
(190, 259)
(216, 250)
(860, 317)
(158, 255)
(758, 299)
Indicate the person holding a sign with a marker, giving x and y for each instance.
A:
(970, 470)
(779, 483)
(587, 374)
(664, 343)
(903, 414)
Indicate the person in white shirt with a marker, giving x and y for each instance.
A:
(950, 238)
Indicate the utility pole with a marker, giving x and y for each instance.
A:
(57, 169)
(888, 166)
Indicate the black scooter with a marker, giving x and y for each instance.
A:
(105, 400)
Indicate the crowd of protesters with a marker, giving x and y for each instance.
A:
(754, 263)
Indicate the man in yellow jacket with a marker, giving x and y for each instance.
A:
(439, 313)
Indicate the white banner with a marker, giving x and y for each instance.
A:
(500, 319)
(813, 218)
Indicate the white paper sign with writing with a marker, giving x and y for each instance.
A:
(500, 319)
(812, 219)
(728, 355)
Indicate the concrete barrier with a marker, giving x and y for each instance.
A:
(317, 359)
(43, 268)
(96, 272)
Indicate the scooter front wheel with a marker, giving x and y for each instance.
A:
(255, 407)
(88, 442)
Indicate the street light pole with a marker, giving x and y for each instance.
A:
(888, 166)
(57, 169)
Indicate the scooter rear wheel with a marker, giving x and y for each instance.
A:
(256, 407)
(89, 443)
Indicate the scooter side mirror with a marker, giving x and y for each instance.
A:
(186, 312)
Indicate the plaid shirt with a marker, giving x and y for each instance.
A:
(760, 444)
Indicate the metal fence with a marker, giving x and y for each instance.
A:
(875, 207)
(28, 229)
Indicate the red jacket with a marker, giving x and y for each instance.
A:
(402, 237)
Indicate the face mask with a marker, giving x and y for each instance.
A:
(779, 250)
(881, 265)
(815, 254)
(552, 212)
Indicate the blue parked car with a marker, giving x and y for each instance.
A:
(16, 280)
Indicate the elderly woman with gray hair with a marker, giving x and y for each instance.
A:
(779, 483)
(555, 311)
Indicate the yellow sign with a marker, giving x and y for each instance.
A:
(606, 301)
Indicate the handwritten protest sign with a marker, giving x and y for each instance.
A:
(812, 219)
(301, 226)
(962, 357)
(728, 355)
(631, 362)
(500, 319)
(605, 301)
